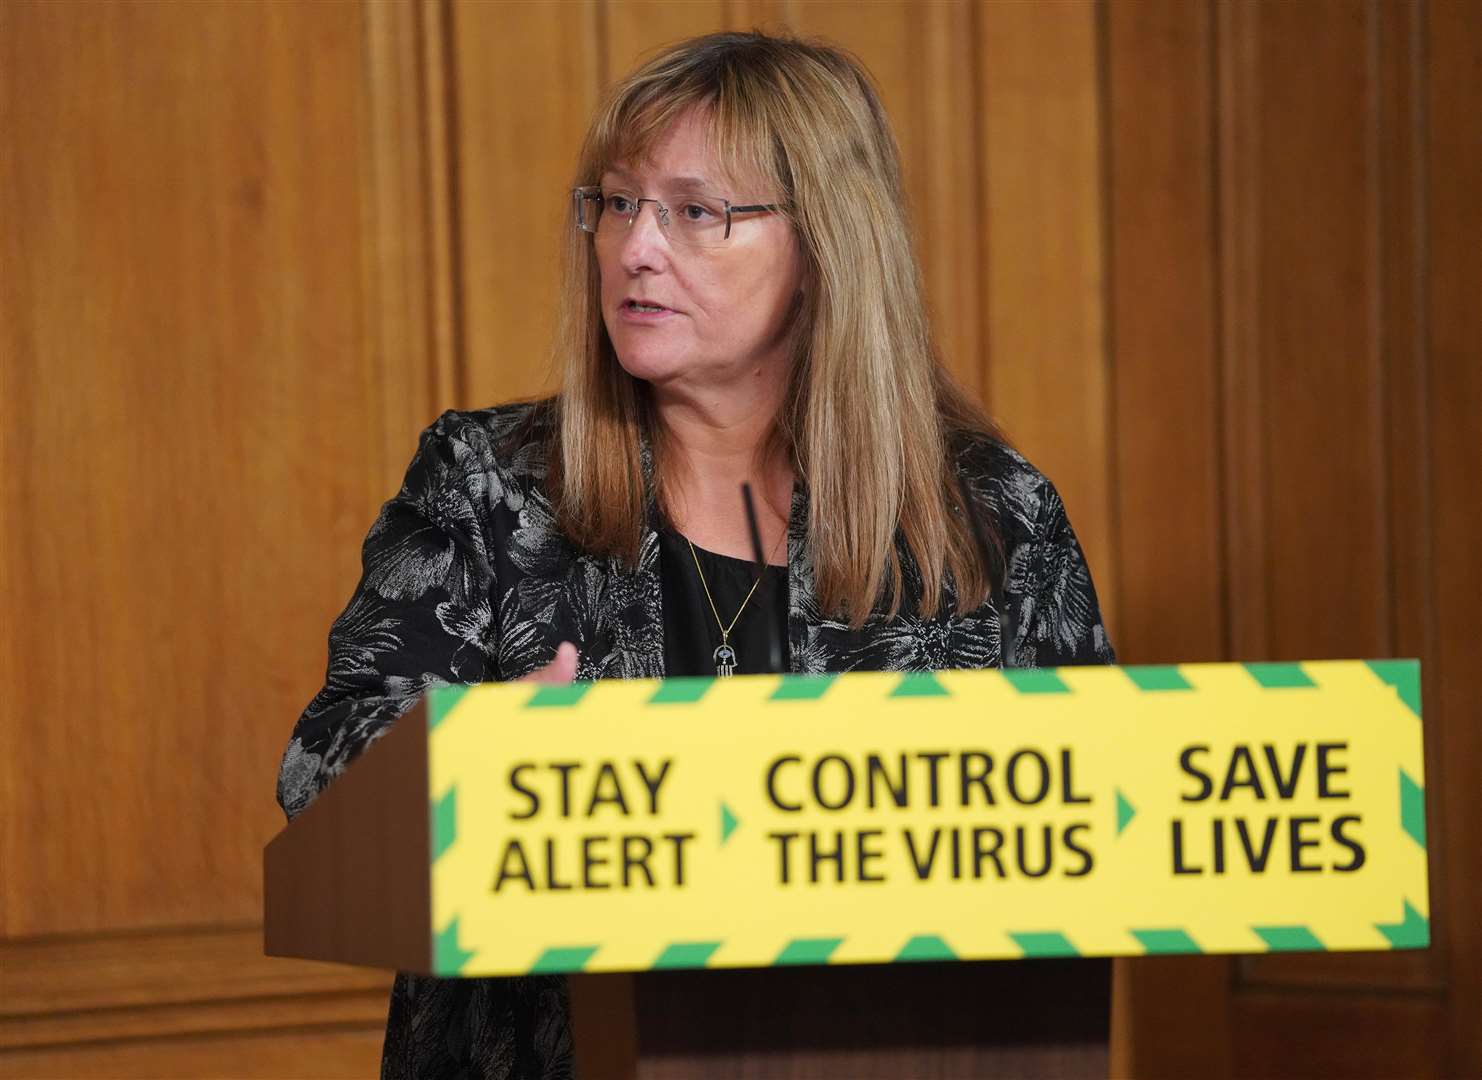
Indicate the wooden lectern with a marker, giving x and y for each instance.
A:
(869, 874)
(1011, 1018)
(347, 881)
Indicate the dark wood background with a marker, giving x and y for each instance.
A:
(1217, 268)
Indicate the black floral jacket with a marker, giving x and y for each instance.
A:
(466, 579)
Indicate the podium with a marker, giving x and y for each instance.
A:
(870, 875)
(1020, 1018)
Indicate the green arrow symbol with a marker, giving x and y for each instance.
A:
(1125, 811)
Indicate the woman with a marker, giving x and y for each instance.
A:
(742, 304)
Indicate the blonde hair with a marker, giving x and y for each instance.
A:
(804, 117)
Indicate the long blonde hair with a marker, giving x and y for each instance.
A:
(804, 117)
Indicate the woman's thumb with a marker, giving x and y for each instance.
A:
(562, 669)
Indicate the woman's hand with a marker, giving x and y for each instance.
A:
(559, 671)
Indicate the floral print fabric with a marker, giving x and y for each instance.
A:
(467, 579)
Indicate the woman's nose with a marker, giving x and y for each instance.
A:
(645, 243)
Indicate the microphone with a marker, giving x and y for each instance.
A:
(774, 644)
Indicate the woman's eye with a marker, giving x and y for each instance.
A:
(696, 212)
(619, 204)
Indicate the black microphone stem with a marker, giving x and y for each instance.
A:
(774, 645)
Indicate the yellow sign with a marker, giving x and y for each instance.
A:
(869, 818)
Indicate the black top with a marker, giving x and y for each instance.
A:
(691, 635)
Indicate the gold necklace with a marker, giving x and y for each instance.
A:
(725, 656)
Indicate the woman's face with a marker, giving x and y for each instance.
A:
(725, 310)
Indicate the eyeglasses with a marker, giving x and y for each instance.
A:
(700, 221)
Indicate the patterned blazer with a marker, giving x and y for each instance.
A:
(467, 579)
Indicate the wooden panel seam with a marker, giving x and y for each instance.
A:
(281, 1012)
(275, 1031)
(353, 1054)
(444, 226)
(403, 179)
(1112, 588)
(1242, 431)
(158, 968)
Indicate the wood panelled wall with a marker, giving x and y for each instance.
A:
(1215, 267)
(1297, 397)
(194, 438)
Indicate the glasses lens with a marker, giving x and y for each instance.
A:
(588, 210)
(698, 221)
(612, 214)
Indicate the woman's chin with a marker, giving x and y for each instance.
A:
(652, 366)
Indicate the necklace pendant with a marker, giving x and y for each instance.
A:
(725, 661)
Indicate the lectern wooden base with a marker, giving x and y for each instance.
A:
(1030, 1019)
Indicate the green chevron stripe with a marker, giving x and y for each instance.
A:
(1158, 942)
(682, 690)
(444, 823)
(1413, 932)
(1279, 676)
(1044, 943)
(1404, 676)
(1289, 939)
(1125, 812)
(1036, 680)
(686, 954)
(919, 684)
(728, 822)
(569, 958)
(442, 700)
(1158, 677)
(925, 947)
(808, 951)
(1412, 808)
(802, 687)
(557, 697)
(448, 957)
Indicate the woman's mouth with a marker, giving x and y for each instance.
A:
(643, 311)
